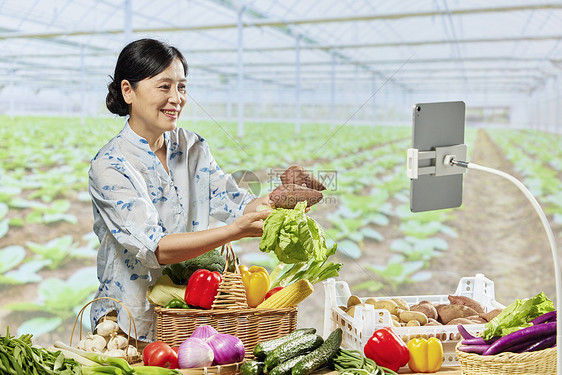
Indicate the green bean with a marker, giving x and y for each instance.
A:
(353, 362)
(18, 357)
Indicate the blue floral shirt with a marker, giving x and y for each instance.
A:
(136, 203)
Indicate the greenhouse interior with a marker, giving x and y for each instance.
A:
(330, 86)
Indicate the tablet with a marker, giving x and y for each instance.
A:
(436, 125)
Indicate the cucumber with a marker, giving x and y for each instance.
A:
(320, 356)
(301, 345)
(286, 367)
(262, 349)
(251, 368)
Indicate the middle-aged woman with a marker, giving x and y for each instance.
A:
(154, 187)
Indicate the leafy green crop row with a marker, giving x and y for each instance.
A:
(538, 158)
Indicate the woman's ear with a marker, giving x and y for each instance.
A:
(127, 91)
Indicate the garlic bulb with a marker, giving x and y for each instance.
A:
(117, 342)
(81, 344)
(116, 353)
(131, 351)
(94, 343)
(107, 327)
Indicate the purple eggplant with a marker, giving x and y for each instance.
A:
(464, 333)
(533, 344)
(545, 318)
(547, 342)
(525, 334)
(478, 341)
(477, 349)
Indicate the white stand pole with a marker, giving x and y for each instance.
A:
(551, 241)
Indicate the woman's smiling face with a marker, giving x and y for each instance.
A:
(155, 103)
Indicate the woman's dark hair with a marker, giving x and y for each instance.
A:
(143, 58)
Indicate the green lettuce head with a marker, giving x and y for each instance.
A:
(293, 236)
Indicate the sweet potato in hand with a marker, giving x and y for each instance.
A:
(287, 196)
(300, 176)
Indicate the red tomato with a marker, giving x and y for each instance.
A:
(158, 353)
(273, 291)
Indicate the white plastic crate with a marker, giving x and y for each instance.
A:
(358, 329)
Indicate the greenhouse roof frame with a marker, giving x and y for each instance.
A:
(420, 47)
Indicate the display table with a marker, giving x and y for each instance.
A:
(443, 371)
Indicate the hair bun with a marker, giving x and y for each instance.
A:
(115, 101)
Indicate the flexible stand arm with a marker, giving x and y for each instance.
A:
(551, 241)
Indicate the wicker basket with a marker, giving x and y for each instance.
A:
(131, 359)
(541, 362)
(229, 314)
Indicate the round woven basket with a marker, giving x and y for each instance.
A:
(229, 314)
(132, 328)
(541, 362)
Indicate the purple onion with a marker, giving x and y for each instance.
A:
(227, 348)
(194, 353)
(204, 332)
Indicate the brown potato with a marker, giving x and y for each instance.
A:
(460, 321)
(299, 176)
(433, 322)
(466, 301)
(446, 313)
(387, 304)
(427, 308)
(477, 319)
(287, 196)
(403, 305)
(406, 316)
(353, 300)
(371, 301)
(351, 310)
(491, 314)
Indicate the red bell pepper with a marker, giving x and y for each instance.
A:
(202, 288)
(273, 291)
(387, 349)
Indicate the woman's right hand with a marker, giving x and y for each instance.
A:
(250, 224)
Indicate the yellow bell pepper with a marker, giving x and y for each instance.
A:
(425, 355)
(256, 283)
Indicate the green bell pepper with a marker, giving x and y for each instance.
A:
(176, 303)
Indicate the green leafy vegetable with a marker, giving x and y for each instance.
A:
(293, 236)
(297, 239)
(518, 315)
(181, 272)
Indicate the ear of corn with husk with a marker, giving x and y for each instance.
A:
(289, 296)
